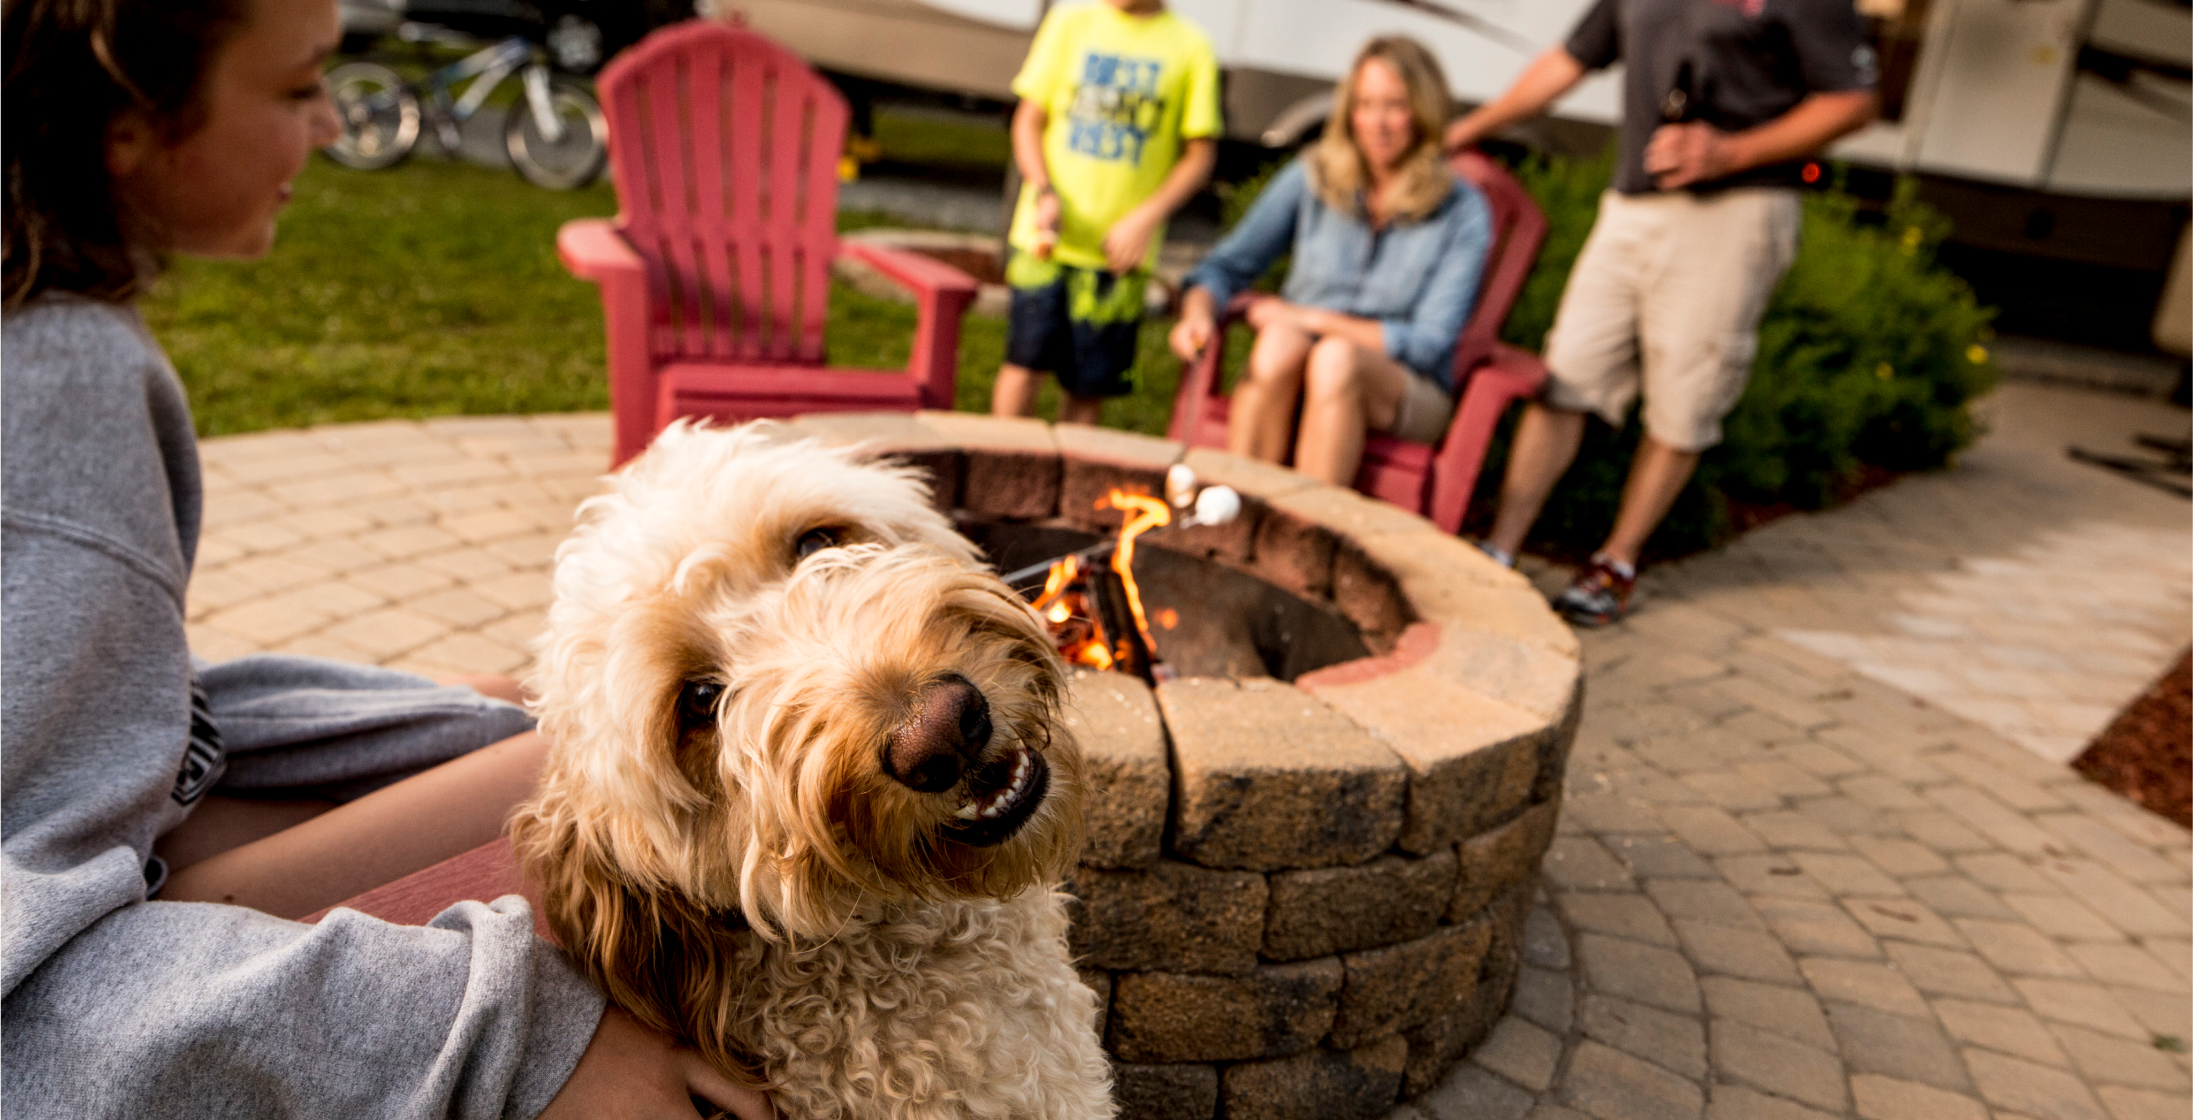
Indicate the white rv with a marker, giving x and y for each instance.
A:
(2051, 130)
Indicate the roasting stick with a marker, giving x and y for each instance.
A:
(1215, 505)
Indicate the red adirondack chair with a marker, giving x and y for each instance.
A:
(715, 275)
(1434, 481)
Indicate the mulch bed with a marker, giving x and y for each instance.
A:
(2147, 752)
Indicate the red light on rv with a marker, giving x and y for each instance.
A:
(1811, 173)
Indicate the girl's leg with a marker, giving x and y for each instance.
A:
(220, 822)
(1350, 389)
(383, 836)
(1261, 420)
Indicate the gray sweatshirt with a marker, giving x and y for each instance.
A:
(116, 1006)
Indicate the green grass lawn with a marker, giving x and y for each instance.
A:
(433, 289)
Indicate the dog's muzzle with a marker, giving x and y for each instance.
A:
(940, 747)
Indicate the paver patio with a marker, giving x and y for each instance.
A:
(1817, 857)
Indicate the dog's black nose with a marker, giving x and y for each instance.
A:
(946, 733)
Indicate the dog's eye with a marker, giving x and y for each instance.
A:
(815, 540)
(697, 703)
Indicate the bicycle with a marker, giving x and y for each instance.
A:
(557, 135)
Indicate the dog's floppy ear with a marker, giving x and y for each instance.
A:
(654, 953)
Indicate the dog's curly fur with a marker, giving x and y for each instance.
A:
(747, 875)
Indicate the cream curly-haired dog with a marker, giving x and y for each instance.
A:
(809, 790)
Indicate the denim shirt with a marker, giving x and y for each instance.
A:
(1417, 278)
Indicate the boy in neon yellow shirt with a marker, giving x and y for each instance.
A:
(1117, 127)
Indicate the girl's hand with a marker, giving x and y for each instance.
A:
(632, 1073)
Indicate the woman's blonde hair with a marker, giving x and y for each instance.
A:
(1337, 170)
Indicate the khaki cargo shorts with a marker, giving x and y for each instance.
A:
(1667, 294)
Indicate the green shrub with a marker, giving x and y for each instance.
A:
(1868, 357)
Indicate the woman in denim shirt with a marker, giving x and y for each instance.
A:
(1388, 248)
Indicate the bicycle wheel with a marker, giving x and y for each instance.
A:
(379, 115)
(569, 161)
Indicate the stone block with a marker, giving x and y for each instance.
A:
(1472, 760)
(1254, 478)
(1369, 596)
(893, 435)
(1011, 467)
(1115, 719)
(1402, 986)
(1439, 579)
(1435, 1046)
(1321, 1084)
(1553, 752)
(1171, 916)
(1294, 553)
(1497, 860)
(1165, 1092)
(1267, 777)
(1272, 1012)
(1095, 461)
(1339, 909)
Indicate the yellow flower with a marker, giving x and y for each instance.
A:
(1883, 371)
(1976, 354)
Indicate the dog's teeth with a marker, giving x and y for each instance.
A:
(968, 811)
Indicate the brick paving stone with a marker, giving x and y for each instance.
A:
(2126, 906)
(1674, 1042)
(2002, 825)
(1644, 973)
(1957, 897)
(1900, 858)
(1941, 832)
(1867, 983)
(1735, 1102)
(1657, 855)
(2036, 1090)
(386, 633)
(1470, 1093)
(1544, 944)
(2015, 948)
(2003, 873)
(1816, 928)
(1733, 792)
(2127, 965)
(1845, 817)
(1611, 1085)
(1911, 1049)
(2141, 1104)
(2061, 918)
(1749, 954)
(1846, 874)
(1607, 812)
(2109, 1060)
(1577, 863)
(2170, 1015)
(1710, 831)
(1786, 830)
(1778, 1065)
(458, 607)
(1628, 916)
(1789, 1012)
(470, 653)
(2129, 859)
(1520, 1052)
(1947, 972)
(1886, 1098)
(2011, 1030)
(2009, 789)
(1782, 778)
(1715, 902)
(1546, 998)
(1902, 918)
(2079, 1002)
(1775, 875)
(1881, 792)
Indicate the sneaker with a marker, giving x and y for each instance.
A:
(1600, 595)
(1504, 559)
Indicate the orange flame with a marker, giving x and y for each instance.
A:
(1144, 513)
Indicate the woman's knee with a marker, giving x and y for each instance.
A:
(1278, 357)
(1334, 369)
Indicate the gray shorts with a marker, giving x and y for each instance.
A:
(295, 726)
(1425, 410)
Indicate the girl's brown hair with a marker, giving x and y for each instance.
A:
(1337, 169)
(73, 66)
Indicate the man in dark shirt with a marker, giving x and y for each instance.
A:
(1722, 102)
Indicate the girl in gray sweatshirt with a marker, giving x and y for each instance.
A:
(174, 125)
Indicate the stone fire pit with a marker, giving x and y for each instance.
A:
(1306, 898)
